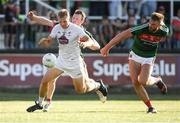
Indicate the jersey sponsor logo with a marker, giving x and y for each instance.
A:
(149, 37)
(63, 40)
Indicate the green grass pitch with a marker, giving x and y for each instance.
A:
(88, 109)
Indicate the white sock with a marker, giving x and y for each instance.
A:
(41, 100)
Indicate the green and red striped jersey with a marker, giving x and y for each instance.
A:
(145, 41)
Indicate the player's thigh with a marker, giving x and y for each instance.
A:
(79, 84)
(51, 75)
(145, 73)
(134, 69)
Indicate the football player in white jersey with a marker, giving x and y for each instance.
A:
(78, 18)
(69, 60)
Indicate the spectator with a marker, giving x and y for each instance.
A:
(162, 10)
(30, 33)
(10, 25)
(115, 8)
(166, 40)
(148, 7)
(131, 7)
(52, 16)
(143, 19)
(105, 31)
(118, 26)
(176, 30)
(91, 27)
(18, 23)
(131, 22)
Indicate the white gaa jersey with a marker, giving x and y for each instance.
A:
(69, 50)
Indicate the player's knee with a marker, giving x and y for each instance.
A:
(134, 81)
(142, 80)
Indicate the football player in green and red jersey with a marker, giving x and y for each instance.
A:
(142, 55)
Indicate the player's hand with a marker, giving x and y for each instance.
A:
(82, 44)
(104, 51)
(44, 42)
(30, 15)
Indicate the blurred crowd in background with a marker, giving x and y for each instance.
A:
(18, 32)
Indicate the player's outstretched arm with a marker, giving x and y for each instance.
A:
(94, 45)
(40, 20)
(117, 39)
(87, 42)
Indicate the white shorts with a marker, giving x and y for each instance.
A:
(74, 69)
(141, 60)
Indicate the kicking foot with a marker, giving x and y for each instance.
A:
(162, 86)
(152, 110)
(102, 91)
(34, 107)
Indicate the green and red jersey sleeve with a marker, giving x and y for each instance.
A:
(145, 41)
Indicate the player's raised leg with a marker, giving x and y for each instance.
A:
(84, 84)
(146, 78)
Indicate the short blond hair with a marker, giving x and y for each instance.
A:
(158, 17)
(63, 13)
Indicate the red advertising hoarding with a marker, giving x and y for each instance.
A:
(26, 70)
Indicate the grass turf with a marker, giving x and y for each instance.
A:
(88, 109)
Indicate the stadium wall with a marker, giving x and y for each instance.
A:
(26, 70)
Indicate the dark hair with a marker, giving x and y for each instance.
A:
(157, 17)
(80, 12)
